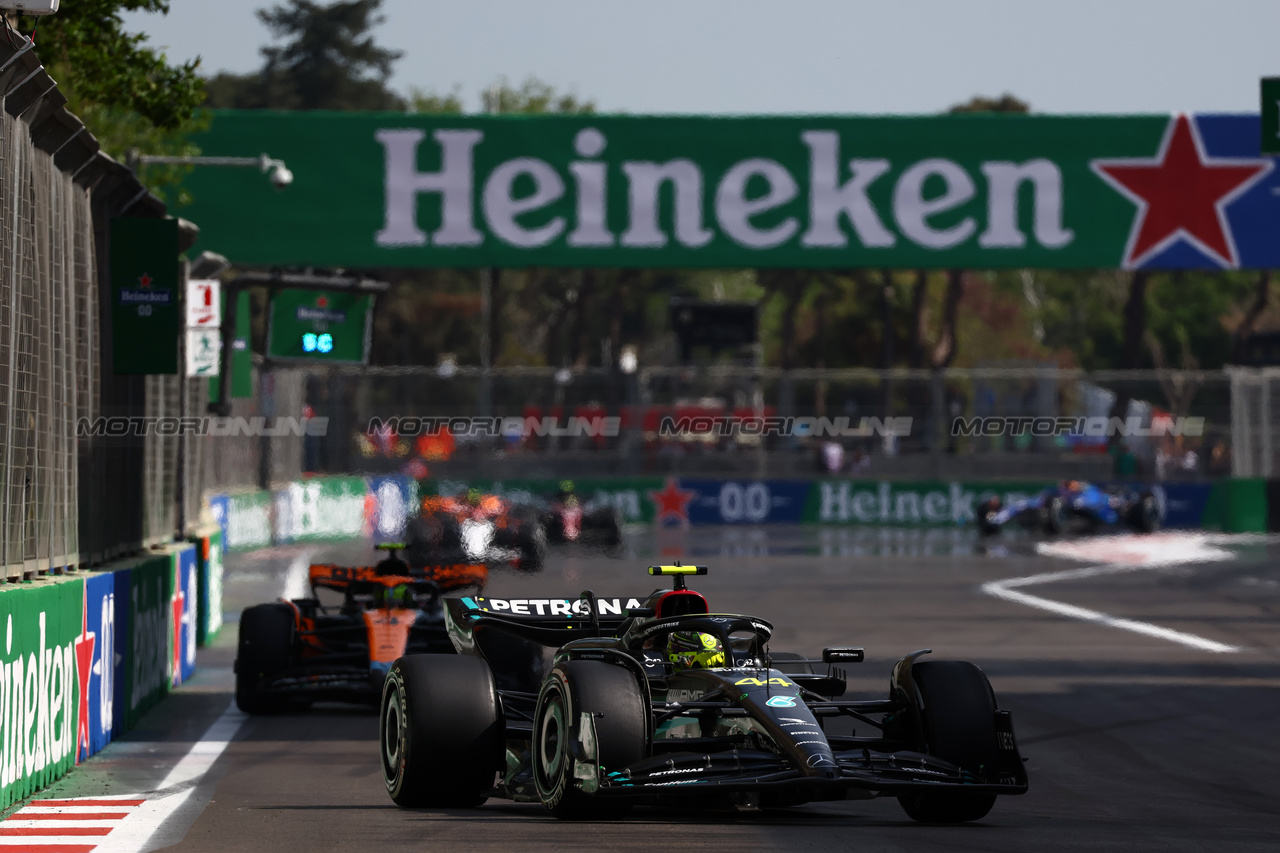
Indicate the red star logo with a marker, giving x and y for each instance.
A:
(672, 503)
(144, 280)
(1181, 194)
(84, 646)
(322, 302)
(179, 605)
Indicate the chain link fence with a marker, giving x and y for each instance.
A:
(997, 421)
(46, 284)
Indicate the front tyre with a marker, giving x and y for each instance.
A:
(440, 731)
(614, 700)
(959, 722)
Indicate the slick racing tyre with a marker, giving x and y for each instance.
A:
(959, 726)
(1055, 515)
(611, 696)
(987, 525)
(531, 542)
(265, 649)
(1144, 516)
(440, 731)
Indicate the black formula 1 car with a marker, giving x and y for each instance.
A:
(617, 721)
(293, 653)
(568, 517)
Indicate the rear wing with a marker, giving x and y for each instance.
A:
(548, 621)
(443, 578)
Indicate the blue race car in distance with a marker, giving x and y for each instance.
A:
(1073, 504)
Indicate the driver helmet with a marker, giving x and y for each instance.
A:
(694, 650)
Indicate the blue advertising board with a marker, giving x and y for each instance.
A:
(185, 614)
(746, 501)
(106, 606)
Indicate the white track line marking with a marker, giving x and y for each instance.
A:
(140, 831)
(1127, 555)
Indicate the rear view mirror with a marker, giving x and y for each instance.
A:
(842, 655)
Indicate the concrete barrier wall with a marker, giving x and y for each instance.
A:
(86, 654)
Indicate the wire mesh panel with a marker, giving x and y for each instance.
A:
(47, 342)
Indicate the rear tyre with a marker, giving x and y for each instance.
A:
(959, 726)
(531, 542)
(440, 731)
(1144, 516)
(987, 525)
(1055, 517)
(611, 695)
(265, 649)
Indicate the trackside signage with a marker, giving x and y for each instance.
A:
(972, 191)
(45, 664)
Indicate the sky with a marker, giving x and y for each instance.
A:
(800, 56)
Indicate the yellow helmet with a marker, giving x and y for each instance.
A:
(692, 649)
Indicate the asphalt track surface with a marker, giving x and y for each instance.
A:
(1135, 741)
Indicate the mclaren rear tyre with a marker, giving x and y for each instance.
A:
(440, 731)
(959, 726)
(265, 649)
(609, 696)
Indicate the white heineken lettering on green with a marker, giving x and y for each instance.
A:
(912, 210)
(501, 207)
(885, 503)
(591, 180)
(645, 181)
(520, 199)
(1003, 181)
(453, 183)
(734, 210)
(829, 199)
(37, 705)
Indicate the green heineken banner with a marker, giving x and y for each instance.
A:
(145, 312)
(44, 672)
(977, 191)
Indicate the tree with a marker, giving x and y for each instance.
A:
(128, 94)
(328, 61)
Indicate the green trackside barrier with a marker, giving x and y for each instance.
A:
(150, 635)
(209, 551)
(630, 495)
(41, 677)
(322, 509)
(249, 519)
(1237, 505)
(891, 502)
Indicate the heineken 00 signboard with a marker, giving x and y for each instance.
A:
(320, 325)
(146, 315)
(969, 191)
